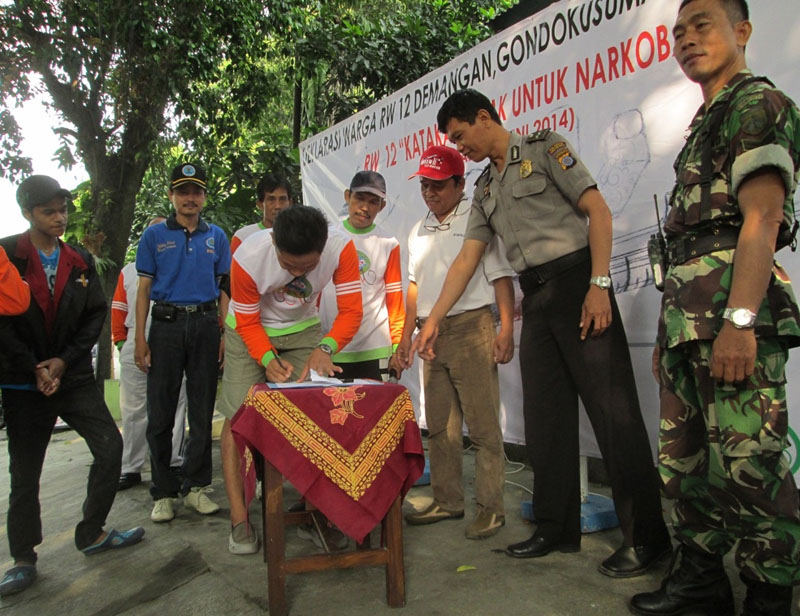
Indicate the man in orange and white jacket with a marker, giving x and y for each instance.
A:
(277, 276)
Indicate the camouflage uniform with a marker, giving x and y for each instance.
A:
(721, 449)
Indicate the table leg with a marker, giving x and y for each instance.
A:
(275, 541)
(395, 573)
(263, 499)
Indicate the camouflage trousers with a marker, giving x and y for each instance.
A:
(721, 458)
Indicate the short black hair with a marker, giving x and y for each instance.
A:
(464, 106)
(736, 9)
(300, 230)
(270, 182)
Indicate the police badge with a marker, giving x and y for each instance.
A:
(525, 168)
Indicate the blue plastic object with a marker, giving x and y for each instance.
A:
(597, 513)
(425, 478)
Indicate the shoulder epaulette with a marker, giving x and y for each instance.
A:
(485, 172)
(539, 135)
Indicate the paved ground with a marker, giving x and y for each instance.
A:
(184, 568)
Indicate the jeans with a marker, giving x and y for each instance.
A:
(30, 418)
(188, 345)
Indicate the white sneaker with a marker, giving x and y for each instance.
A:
(162, 510)
(243, 539)
(197, 500)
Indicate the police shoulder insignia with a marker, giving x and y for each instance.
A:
(525, 168)
(561, 153)
(538, 135)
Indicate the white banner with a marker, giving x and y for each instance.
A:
(601, 73)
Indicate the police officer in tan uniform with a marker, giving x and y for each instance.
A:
(544, 204)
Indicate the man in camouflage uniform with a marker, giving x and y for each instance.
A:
(728, 318)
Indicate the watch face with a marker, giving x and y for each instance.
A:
(326, 348)
(742, 317)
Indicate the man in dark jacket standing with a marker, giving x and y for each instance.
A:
(46, 372)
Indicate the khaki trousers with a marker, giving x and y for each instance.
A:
(461, 385)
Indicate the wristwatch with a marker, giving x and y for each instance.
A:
(740, 318)
(325, 348)
(604, 282)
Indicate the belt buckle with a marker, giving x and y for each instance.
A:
(191, 308)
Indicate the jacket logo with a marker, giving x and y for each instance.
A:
(83, 281)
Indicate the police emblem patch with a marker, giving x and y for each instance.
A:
(188, 170)
(561, 153)
(566, 161)
(525, 168)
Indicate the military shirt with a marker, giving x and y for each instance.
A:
(533, 203)
(761, 128)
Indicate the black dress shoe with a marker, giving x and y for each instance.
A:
(128, 480)
(629, 562)
(538, 546)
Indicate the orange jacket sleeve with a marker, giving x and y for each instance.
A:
(15, 295)
(347, 281)
(119, 312)
(394, 297)
(235, 243)
(246, 302)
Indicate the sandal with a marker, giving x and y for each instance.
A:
(17, 579)
(115, 539)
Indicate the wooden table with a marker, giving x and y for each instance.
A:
(353, 452)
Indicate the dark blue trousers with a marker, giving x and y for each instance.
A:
(189, 345)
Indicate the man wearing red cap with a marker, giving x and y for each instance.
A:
(461, 382)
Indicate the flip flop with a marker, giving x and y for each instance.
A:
(17, 579)
(116, 539)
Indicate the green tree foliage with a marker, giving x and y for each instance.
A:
(112, 70)
(350, 53)
(141, 85)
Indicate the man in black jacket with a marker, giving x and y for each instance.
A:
(46, 372)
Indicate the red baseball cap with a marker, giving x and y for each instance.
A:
(439, 162)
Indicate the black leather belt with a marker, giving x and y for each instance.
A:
(682, 249)
(207, 306)
(534, 277)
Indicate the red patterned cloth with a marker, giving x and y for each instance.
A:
(348, 450)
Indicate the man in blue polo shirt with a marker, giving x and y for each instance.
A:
(181, 264)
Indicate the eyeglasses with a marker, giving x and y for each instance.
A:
(439, 226)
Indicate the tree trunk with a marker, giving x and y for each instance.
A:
(113, 200)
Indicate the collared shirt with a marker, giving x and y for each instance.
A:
(432, 248)
(186, 266)
(761, 128)
(533, 203)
